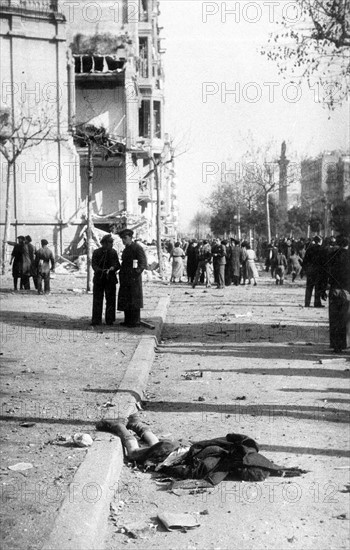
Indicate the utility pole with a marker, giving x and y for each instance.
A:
(89, 213)
(268, 222)
(239, 221)
(158, 221)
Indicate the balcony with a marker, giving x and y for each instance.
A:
(38, 6)
(144, 191)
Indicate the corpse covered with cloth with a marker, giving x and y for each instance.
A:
(233, 456)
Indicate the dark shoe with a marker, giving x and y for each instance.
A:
(319, 305)
(95, 323)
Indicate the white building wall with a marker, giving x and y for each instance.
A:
(34, 84)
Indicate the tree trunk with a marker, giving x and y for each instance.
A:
(158, 224)
(89, 214)
(7, 218)
(268, 218)
(239, 222)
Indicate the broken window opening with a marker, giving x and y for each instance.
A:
(143, 53)
(143, 14)
(157, 119)
(145, 119)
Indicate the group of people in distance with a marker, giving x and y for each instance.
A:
(29, 262)
(324, 262)
(230, 261)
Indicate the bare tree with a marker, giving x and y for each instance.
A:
(16, 136)
(95, 138)
(318, 45)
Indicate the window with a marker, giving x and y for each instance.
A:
(143, 54)
(144, 10)
(157, 119)
(145, 119)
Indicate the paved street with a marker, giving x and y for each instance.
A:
(59, 375)
(250, 360)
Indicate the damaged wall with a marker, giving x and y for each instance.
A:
(35, 83)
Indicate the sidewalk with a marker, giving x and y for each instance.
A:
(248, 360)
(60, 376)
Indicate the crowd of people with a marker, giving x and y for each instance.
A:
(325, 264)
(222, 262)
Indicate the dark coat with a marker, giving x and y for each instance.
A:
(235, 260)
(219, 254)
(43, 258)
(130, 295)
(192, 260)
(339, 299)
(102, 260)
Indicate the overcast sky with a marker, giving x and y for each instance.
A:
(201, 47)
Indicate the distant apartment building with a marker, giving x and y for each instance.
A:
(36, 93)
(325, 183)
(119, 86)
(325, 179)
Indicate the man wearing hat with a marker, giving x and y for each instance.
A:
(130, 297)
(105, 264)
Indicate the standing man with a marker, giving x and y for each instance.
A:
(235, 261)
(43, 258)
(204, 259)
(105, 264)
(31, 251)
(219, 262)
(280, 267)
(313, 267)
(339, 296)
(130, 297)
(17, 262)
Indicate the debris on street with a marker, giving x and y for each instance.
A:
(173, 521)
(138, 529)
(20, 466)
(82, 440)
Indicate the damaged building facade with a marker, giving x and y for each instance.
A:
(119, 87)
(74, 67)
(36, 104)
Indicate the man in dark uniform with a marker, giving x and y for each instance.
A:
(313, 267)
(105, 264)
(130, 297)
(339, 295)
(219, 262)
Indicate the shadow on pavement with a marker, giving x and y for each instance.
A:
(319, 412)
(304, 450)
(311, 390)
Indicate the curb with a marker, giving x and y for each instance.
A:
(82, 519)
